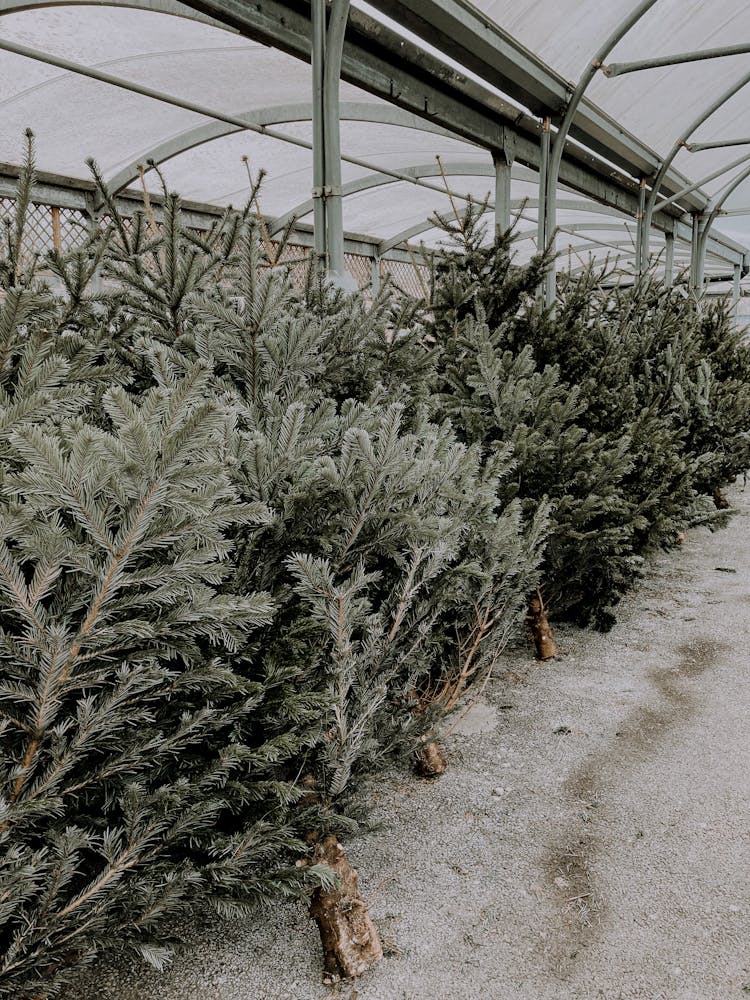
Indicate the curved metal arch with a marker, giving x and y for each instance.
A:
(170, 7)
(561, 135)
(518, 203)
(714, 106)
(714, 207)
(414, 173)
(182, 142)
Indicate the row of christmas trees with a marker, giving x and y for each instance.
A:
(255, 541)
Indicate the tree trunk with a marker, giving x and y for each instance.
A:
(720, 500)
(350, 940)
(431, 762)
(541, 630)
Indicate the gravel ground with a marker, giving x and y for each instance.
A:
(590, 840)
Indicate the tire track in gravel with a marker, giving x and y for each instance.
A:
(568, 865)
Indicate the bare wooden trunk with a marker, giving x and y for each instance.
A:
(350, 940)
(541, 630)
(431, 762)
(720, 500)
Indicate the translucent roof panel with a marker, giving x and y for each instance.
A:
(655, 104)
(203, 157)
(564, 33)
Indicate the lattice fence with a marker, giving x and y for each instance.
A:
(360, 268)
(411, 279)
(49, 226)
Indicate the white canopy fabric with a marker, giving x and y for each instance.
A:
(74, 117)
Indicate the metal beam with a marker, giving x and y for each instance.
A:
(477, 42)
(619, 69)
(317, 63)
(334, 47)
(384, 63)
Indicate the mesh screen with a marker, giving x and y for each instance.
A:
(411, 279)
(360, 268)
(66, 228)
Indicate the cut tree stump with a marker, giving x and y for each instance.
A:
(720, 500)
(431, 762)
(351, 944)
(541, 630)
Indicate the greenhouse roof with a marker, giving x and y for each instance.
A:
(429, 89)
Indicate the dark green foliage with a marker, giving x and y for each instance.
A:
(257, 539)
(235, 556)
(624, 408)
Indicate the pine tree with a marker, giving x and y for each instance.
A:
(501, 395)
(127, 791)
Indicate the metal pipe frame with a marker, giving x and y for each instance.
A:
(619, 69)
(542, 237)
(698, 147)
(384, 63)
(334, 47)
(639, 234)
(694, 250)
(715, 208)
(558, 145)
(704, 180)
(317, 61)
(704, 115)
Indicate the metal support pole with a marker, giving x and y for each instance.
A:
(375, 275)
(541, 239)
(331, 128)
(668, 258)
(318, 18)
(503, 161)
(736, 290)
(640, 260)
(696, 276)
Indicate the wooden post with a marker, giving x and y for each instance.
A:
(56, 239)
